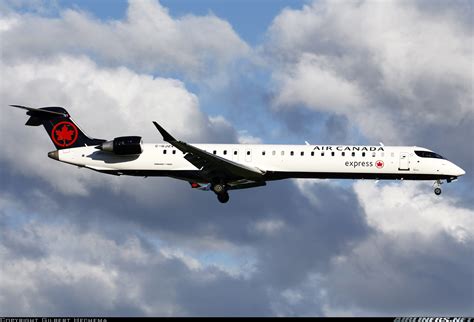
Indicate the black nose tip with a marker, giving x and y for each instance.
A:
(53, 155)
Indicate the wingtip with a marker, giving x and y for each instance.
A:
(166, 136)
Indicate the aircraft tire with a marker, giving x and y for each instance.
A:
(437, 191)
(223, 197)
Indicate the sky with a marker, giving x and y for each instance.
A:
(76, 242)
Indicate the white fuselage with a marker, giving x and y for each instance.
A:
(278, 161)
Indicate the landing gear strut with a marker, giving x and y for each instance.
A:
(221, 192)
(437, 186)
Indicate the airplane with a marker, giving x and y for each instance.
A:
(224, 167)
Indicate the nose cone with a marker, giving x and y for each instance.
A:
(54, 155)
(458, 171)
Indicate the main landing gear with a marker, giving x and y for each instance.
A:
(223, 197)
(437, 186)
(221, 192)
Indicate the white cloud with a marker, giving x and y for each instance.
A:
(189, 261)
(381, 64)
(245, 138)
(411, 208)
(269, 227)
(313, 82)
(148, 39)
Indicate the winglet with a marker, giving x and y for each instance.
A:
(166, 136)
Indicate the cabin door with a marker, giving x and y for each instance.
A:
(404, 162)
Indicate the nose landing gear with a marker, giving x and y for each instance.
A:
(221, 192)
(437, 186)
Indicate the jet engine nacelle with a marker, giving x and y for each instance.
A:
(124, 145)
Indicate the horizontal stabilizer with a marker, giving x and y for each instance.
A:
(37, 111)
(38, 115)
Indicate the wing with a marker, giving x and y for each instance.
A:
(211, 165)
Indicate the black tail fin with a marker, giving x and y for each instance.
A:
(62, 130)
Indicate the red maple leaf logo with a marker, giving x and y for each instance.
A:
(64, 134)
(379, 164)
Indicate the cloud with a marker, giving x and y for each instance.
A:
(416, 261)
(409, 210)
(81, 272)
(392, 68)
(314, 83)
(162, 264)
(129, 246)
(148, 39)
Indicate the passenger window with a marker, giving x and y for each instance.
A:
(273, 152)
(282, 152)
(263, 152)
(353, 154)
(343, 153)
(235, 152)
(312, 153)
(332, 154)
(225, 152)
(322, 154)
(292, 153)
(302, 153)
(214, 152)
(363, 154)
(164, 151)
(248, 152)
(174, 151)
(373, 154)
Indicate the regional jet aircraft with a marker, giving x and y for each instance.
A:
(223, 167)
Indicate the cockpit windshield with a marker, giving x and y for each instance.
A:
(428, 154)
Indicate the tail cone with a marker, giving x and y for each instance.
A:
(54, 155)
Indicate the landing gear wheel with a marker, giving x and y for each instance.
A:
(219, 188)
(437, 186)
(223, 197)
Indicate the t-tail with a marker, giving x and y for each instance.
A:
(62, 130)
